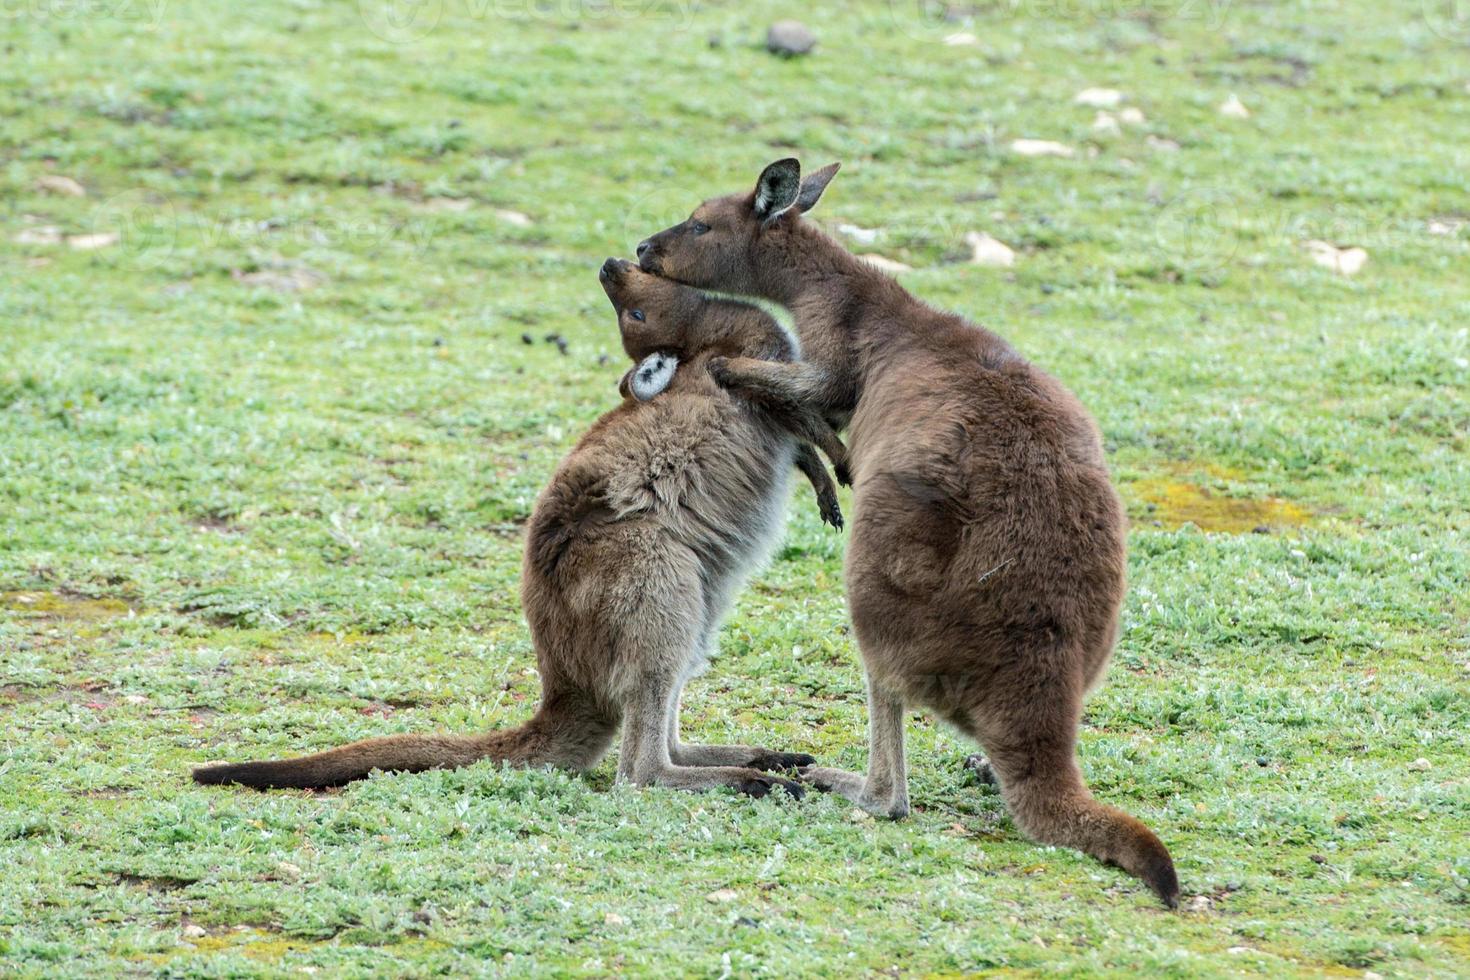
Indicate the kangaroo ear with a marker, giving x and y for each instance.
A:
(813, 186)
(777, 189)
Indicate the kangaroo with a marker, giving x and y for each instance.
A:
(633, 555)
(986, 565)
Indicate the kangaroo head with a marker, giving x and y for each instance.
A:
(728, 242)
(655, 315)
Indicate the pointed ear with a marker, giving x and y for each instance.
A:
(813, 186)
(777, 189)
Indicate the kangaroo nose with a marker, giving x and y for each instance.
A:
(643, 247)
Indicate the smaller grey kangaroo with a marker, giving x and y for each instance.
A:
(634, 553)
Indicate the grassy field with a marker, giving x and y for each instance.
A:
(283, 370)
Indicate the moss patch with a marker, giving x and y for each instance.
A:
(59, 605)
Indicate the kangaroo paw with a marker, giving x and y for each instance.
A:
(719, 369)
(831, 511)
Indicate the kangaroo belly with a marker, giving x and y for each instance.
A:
(653, 522)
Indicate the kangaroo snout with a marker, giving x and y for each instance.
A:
(612, 269)
(648, 256)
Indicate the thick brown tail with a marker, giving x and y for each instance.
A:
(1052, 805)
(569, 734)
(1032, 748)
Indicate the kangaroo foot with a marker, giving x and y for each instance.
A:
(760, 786)
(980, 766)
(767, 761)
(854, 786)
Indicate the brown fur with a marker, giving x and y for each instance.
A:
(633, 555)
(986, 567)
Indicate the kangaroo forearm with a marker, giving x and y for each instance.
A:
(778, 384)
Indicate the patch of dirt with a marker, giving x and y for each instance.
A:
(216, 524)
(63, 605)
(153, 883)
(290, 279)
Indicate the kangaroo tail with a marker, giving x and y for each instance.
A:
(1057, 808)
(569, 733)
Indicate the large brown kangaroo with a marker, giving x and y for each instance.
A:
(986, 567)
(633, 555)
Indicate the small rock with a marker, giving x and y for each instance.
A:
(513, 217)
(988, 251)
(1233, 108)
(1041, 148)
(1443, 226)
(39, 235)
(1239, 950)
(790, 38)
(1098, 98)
(1131, 116)
(890, 266)
(288, 870)
(1420, 764)
(136, 698)
(452, 204)
(57, 184)
(193, 931)
(87, 243)
(722, 896)
(1317, 858)
(863, 236)
(1161, 144)
(527, 339)
(1105, 124)
(1198, 903)
(961, 39)
(1343, 261)
(613, 919)
(858, 815)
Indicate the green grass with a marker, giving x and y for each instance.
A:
(238, 520)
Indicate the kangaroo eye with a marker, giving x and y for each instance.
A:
(637, 315)
(699, 227)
